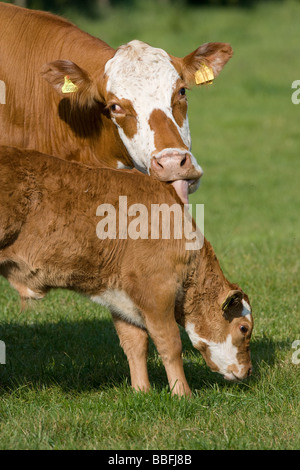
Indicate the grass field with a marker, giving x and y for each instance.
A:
(66, 381)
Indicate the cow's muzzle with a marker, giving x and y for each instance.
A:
(176, 167)
(244, 374)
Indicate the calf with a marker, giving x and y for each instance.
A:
(48, 239)
(71, 95)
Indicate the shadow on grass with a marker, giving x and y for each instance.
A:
(86, 355)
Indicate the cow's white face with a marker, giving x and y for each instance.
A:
(140, 81)
(224, 341)
(147, 102)
(144, 90)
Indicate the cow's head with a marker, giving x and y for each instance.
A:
(144, 90)
(223, 334)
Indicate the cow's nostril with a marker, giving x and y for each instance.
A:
(249, 371)
(157, 162)
(183, 161)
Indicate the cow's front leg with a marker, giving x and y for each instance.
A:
(134, 341)
(166, 336)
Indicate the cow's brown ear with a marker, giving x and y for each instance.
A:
(205, 63)
(233, 295)
(71, 81)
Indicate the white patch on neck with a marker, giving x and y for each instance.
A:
(194, 337)
(145, 76)
(121, 166)
(118, 302)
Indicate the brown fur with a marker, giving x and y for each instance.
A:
(48, 239)
(165, 131)
(35, 115)
(179, 103)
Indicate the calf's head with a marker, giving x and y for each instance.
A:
(223, 334)
(144, 92)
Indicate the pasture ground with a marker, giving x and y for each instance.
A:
(66, 381)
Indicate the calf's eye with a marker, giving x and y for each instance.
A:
(243, 329)
(182, 91)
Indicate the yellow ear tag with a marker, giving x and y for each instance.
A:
(232, 295)
(204, 75)
(69, 86)
(225, 304)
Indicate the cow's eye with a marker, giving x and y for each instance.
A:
(243, 329)
(115, 108)
(182, 91)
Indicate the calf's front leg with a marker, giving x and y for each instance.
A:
(164, 331)
(134, 341)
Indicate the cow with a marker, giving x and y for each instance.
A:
(71, 95)
(50, 238)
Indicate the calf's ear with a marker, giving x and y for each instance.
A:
(205, 63)
(232, 296)
(69, 80)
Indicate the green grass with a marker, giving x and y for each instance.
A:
(66, 381)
